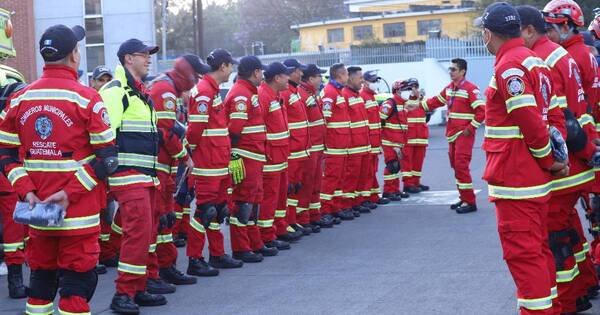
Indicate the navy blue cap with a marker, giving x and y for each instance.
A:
(135, 46)
(500, 18)
(196, 63)
(58, 41)
(371, 76)
(249, 64)
(588, 38)
(100, 71)
(277, 68)
(218, 57)
(312, 70)
(294, 63)
(532, 16)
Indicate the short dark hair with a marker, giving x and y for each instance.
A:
(353, 69)
(244, 75)
(335, 69)
(461, 63)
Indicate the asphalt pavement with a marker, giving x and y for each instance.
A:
(409, 257)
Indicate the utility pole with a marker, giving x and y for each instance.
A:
(198, 27)
(163, 26)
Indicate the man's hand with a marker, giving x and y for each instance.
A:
(416, 92)
(559, 169)
(32, 199)
(60, 198)
(467, 132)
(189, 163)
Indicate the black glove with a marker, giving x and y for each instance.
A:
(290, 189)
(393, 166)
(161, 141)
(298, 186)
(162, 223)
(171, 219)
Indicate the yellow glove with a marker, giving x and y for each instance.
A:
(236, 169)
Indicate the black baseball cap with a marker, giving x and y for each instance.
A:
(371, 76)
(196, 63)
(218, 57)
(277, 68)
(133, 46)
(100, 71)
(294, 63)
(312, 70)
(249, 64)
(532, 16)
(58, 41)
(500, 18)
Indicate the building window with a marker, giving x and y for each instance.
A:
(335, 35)
(94, 35)
(394, 30)
(424, 26)
(362, 32)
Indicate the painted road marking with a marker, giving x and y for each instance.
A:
(430, 198)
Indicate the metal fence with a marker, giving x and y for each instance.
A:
(447, 48)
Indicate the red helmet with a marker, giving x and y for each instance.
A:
(398, 85)
(595, 25)
(561, 11)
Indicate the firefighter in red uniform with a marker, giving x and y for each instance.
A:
(248, 136)
(563, 18)
(208, 137)
(165, 90)
(272, 221)
(519, 157)
(58, 125)
(298, 216)
(368, 95)
(570, 98)
(465, 115)
(357, 187)
(13, 233)
(312, 79)
(134, 185)
(393, 138)
(337, 143)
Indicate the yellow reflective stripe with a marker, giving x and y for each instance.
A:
(416, 120)
(418, 141)
(178, 215)
(370, 104)
(314, 205)
(180, 154)
(234, 221)
(375, 149)
(15, 174)
(85, 179)
(573, 180)
(163, 167)
(532, 62)
(199, 118)
(51, 94)
(375, 126)
(152, 248)
(464, 185)
(294, 97)
(300, 210)
(388, 143)
(391, 176)
(554, 292)
(133, 269)
(453, 137)
(323, 196)
(137, 126)
(164, 238)
(103, 137)
(441, 99)
(338, 193)
(250, 155)
(340, 124)
(278, 136)
(520, 101)
(555, 56)
(475, 123)
(493, 85)
(355, 100)
(216, 132)
(585, 119)
(72, 224)
(535, 304)
(105, 237)
(567, 275)
(477, 103)
(166, 115)
(11, 247)
(138, 160)
(507, 132)
(292, 202)
(315, 123)
(274, 106)
(358, 150)
(465, 116)
(196, 225)
(317, 148)
(332, 151)
(280, 213)
(117, 229)
(541, 152)
(265, 223)
(516, 193)
(457, 93)
(46, 309)
(9, 138)
(392, 126)
(214, 226)
(131, 179)
(275, 167)
(197, 171)
(299, 125)
(254, 129)
(238, 115)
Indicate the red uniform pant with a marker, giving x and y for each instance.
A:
(106, 251)
(209, 189)
(137, 212)
(375, 190)
(331, 184)
(298, 202)
(391, 182)
(70, 253)
(460, 152)
(111, 248)
(246, 237)
(412, 164)
(166, 252)
(314, 185)
(588, 277)
(272, 217)
(522, 227)
(12, 233)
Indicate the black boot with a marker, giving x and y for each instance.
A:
(361, 209)
(159, 286)
(583, 304)
(179, 242)
(182, 236)
(174, 276)
(297, 227)
(315, 228)
(383, 201)
(224, 262)
(248, 257)
(123, 304)
(267, 251)
(403, 195)
(100, 269)
(112, 262)
(370, 205)
(147, 299)
(199, 267)
(423, 187)
(456, 205)
(466, 208)
(337, 220)
(280, 245)
(412, 189)
(346, 215)
(16, 289)
(392, 196)
(326, 221)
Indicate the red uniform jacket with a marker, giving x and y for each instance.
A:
(359, 122)
(278, 142)
(374, 121)
(246, 120)
(569, 94)
(337, 120)
(57, 124)
(465, 107)
(418, 132)
(297, 122)
(207, 131)
(316, 123)
(517, 142)
(395, 123)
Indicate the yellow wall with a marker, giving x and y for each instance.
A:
(404, 6)
(454, 25)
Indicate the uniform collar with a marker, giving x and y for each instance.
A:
(541, 41)
(59, 71)
(338, 86)
(248, 85)
(292, 83)
(272, 93)
(575, 39)
(212, 82)
(308, 87)
(351, 90)
(508, 45)
(368, 90)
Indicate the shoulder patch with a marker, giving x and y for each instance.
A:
(512, 72)
(240, 106)
(202, 107)
(98, 107)
(202, 98)
(515, 86)
(169, 103)
(327, 106)
(240, 98)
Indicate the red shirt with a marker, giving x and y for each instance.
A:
(359, 122)
(316, 122)
(394, 121)
(278, 142)
(337, 120)
(297, 122)
(246, 120)
(374, 121)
